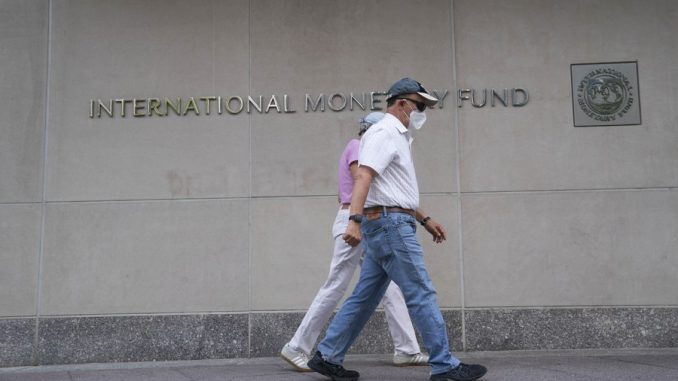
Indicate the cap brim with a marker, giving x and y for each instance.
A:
(429, 99)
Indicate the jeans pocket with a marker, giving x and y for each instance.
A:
(406, 228)
(375, 238)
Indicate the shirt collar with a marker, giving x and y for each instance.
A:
(399, 126)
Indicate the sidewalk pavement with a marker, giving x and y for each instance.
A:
(617, 365)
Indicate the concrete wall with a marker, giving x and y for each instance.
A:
(157, 238)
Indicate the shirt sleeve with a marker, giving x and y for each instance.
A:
(352, 150)
(376, 150)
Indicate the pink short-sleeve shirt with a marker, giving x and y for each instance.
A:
(350, 155)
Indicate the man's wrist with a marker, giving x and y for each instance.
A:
(357, 218)
(425, 220)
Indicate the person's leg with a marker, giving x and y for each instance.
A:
(408, 271)
(399, 323)
(344, 262)
(355, 312)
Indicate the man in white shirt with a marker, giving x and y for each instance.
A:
(383, 215)
(345, 260)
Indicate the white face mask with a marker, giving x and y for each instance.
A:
(417, 119)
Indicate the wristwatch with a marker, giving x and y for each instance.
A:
(356, 217)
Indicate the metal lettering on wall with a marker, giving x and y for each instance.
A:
(605, 94)
(208, 105)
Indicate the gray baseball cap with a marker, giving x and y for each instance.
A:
(369, 120)
(410, 86)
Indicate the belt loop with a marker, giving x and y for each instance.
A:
(385, 212)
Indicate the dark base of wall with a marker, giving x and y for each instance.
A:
(571, 328)
(16, 342)
(192, 337)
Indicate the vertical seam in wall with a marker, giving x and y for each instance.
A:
(201, 352)
(46, 97)
(249, 199)
(460, 228)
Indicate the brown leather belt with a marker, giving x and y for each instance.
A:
(393, 209)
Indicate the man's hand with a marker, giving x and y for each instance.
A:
(352, 235)
(436, 231)
(362, 178)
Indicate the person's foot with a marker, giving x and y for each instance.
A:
(403, 359)
(297, 359)
(335, 372)
(463, 372)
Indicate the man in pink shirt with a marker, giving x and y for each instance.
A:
(344, 262)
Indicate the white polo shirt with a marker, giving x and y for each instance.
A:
(386, 148)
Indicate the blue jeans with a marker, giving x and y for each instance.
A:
(391, 252)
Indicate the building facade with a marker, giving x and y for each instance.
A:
(168, 170)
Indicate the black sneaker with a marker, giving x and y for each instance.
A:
(335, 372)
(463, 372)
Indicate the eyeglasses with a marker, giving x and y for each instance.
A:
(420, 105)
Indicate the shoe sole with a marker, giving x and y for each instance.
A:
(296, 367)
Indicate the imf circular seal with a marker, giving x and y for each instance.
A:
(605, 94)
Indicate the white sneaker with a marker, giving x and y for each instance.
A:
(403, 359)
(297, 359)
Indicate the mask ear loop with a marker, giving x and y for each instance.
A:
(411, 110)
(402, 108)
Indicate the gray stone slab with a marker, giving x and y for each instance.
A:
(19, 252)
(141, 338)
(112, 339)
(549, 249)
(274, 259)
(454, 329)
(511, 329)
(208, 56)
(271, 331)
(152, 257)
(23, 57)
(309, 169)
(225, 336)
(16, 342)
(536, 147)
